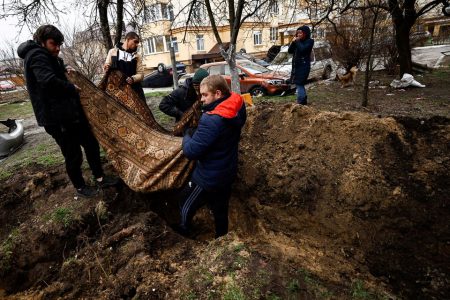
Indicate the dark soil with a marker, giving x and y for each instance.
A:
(329, 204)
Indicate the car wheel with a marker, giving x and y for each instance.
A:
(258, 91)
(161, 67)
(327, 73)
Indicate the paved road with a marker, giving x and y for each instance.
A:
(430, 55)
(162, 89)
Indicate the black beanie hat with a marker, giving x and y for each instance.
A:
(199, 75)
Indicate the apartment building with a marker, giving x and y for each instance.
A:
(164, 22)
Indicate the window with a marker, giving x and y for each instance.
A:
(257, 38)
(154, 44)
(167, 11)
(198, 13)
(273, 7)
(149, 46)
(174, 42)
(226, 70)
(273, 33)
(159, 43)
(200, 42)
(215, 70)
(158, 11)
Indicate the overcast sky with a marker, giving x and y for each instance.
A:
(10, 32)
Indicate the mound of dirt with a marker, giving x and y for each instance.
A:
(351, 195)
(326, 206)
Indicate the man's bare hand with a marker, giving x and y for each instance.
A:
(106, 67)
(130, 80)
(70, 69)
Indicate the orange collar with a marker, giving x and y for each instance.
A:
(228, 108)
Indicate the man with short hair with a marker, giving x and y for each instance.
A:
(57, 107)
(124, 57)
(214, 145)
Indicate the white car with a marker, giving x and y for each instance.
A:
(183, 78)
(6, 85)
(321, 61)
(12, 140)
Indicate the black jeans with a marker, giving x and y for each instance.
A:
(194, 197)
(70, 138)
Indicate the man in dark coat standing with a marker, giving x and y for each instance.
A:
(57, 107)
(180, 100)
(301, 47)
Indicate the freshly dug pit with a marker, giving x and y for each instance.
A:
(322, 200)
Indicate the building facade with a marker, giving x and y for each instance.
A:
(163, 23)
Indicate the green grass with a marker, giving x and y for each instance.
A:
(46, 153)
(233, 292)
(293, 286)
(157, 94)
(163, 119)
(441, 74)
(274, 99)
(5, 174)
(61, 215)
(6, 249)
(359, 291)
(16, 110)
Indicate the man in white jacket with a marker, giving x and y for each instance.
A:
(125, 58)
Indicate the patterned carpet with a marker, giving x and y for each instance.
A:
(145, 155)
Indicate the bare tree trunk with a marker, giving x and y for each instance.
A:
(235, 86)
(403, 19)
(119, 22)
(104, 24)
(368, 73)
(174, 64)
(403, 47)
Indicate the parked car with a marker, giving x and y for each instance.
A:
(243, 55)
(163, 76)
(12, 140)
(6, 85)
(183, 78)
(253, 78)
(321, 61)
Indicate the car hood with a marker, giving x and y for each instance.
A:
(273, 75)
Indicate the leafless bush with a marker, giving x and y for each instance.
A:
(390, 55)
(84, 52)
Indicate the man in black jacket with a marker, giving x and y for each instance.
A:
(57, 107)
(181, 99)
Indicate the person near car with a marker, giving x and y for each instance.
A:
(181, 99)
(125, 58)
(301, 47)
(57, 107)
(214, 145)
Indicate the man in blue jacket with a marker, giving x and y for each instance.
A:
(57, 107)
(301, 47)
(214, 145)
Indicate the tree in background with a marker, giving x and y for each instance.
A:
(225, 13)
(403, 14)
(84, 52)
(34, 13)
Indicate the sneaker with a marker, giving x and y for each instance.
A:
(87, 191)
(107, 181)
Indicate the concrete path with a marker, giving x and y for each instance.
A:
(430, 55)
